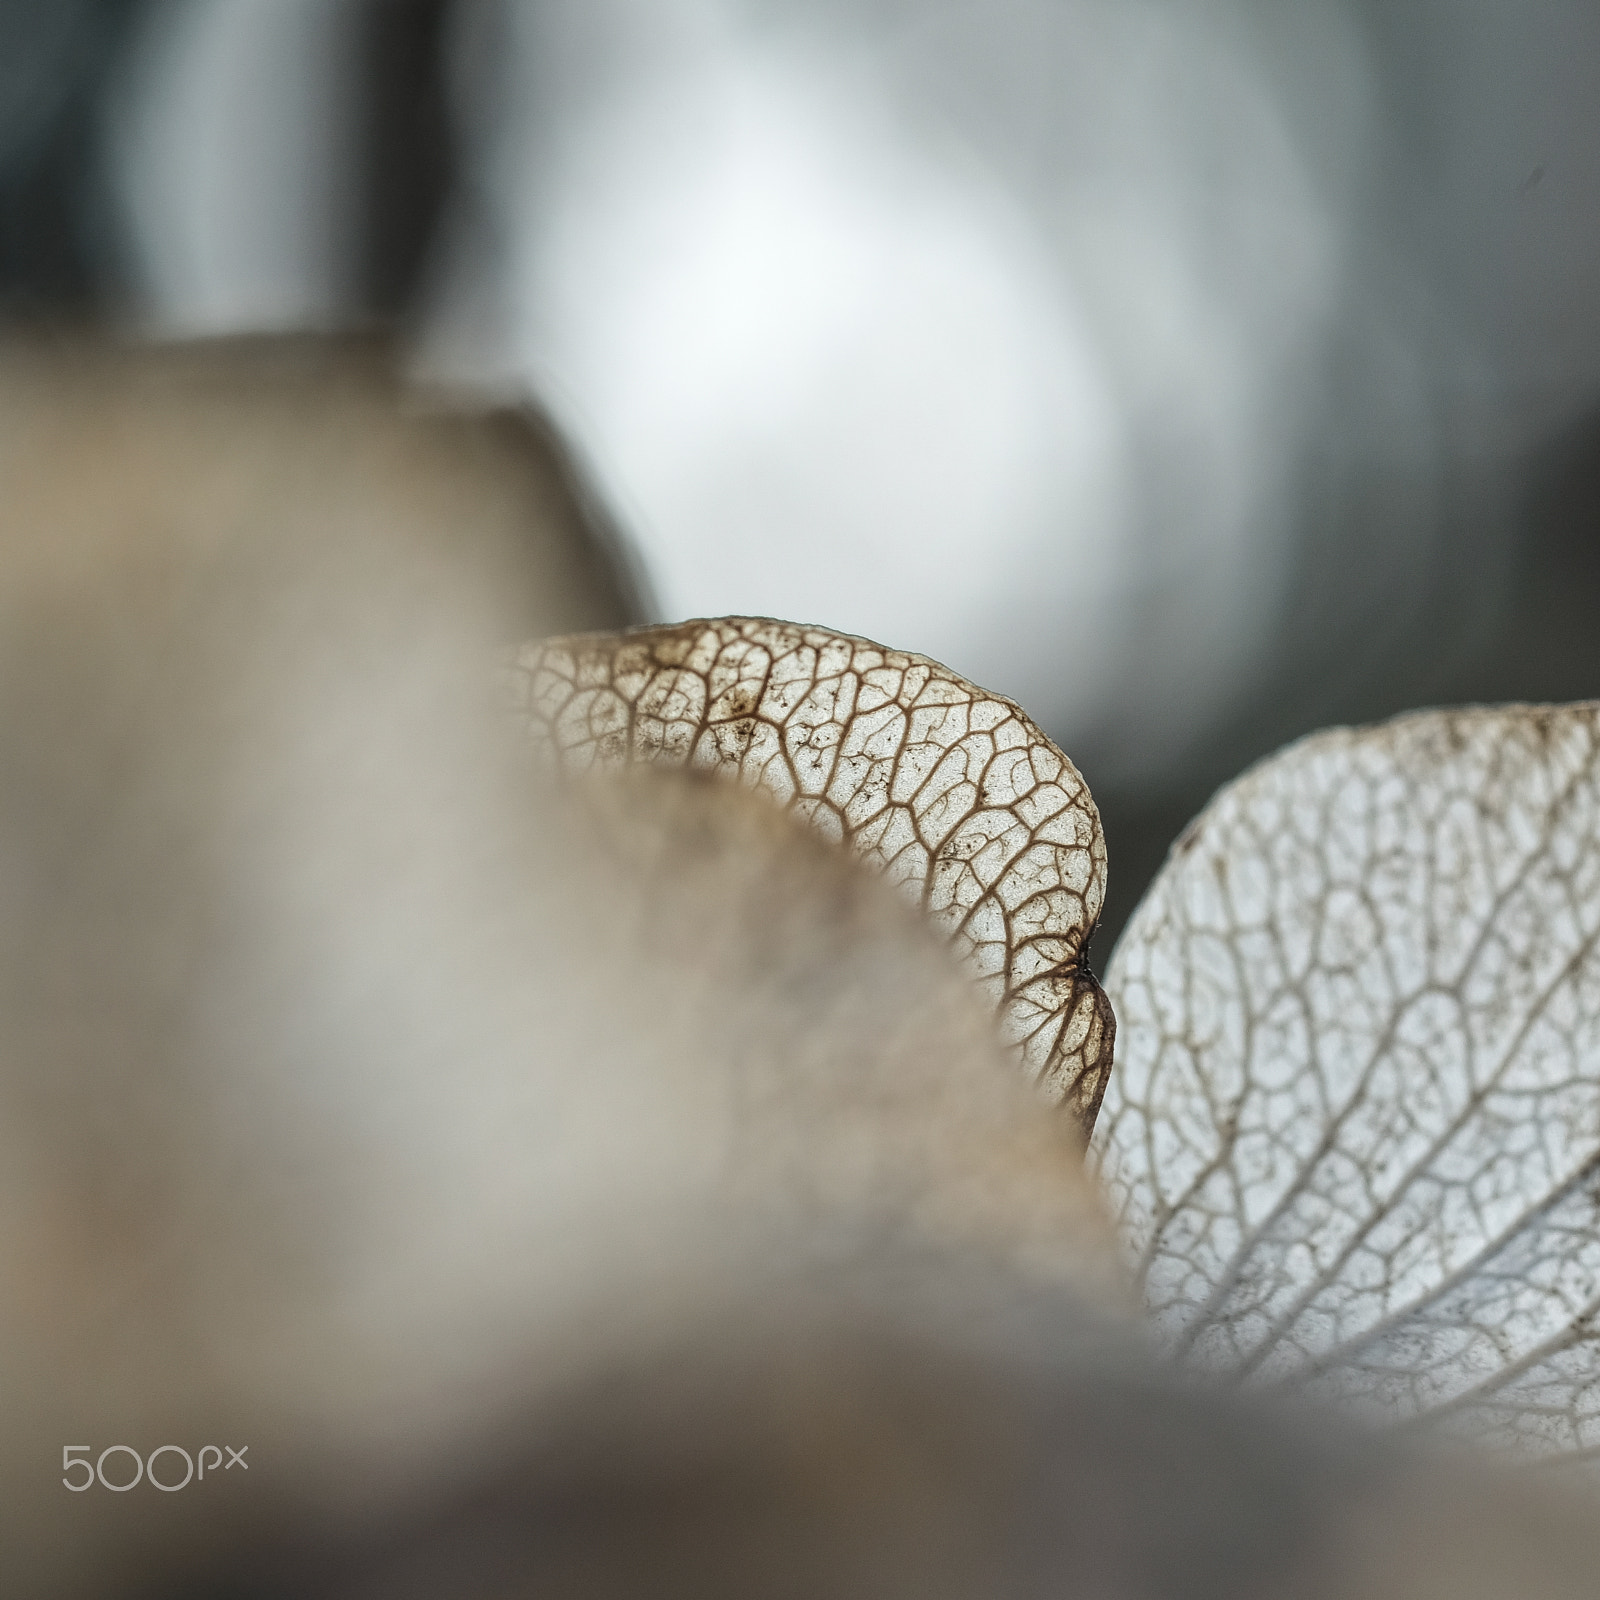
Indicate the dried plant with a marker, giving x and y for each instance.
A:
(606, 1183)
(1354, 1132)
(948, 789)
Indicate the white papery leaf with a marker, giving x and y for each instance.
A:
(950, 790)
(1354, 1132)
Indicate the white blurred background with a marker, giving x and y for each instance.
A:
(1196, 372)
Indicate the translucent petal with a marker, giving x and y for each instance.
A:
(975, 814)
(1355, 1129)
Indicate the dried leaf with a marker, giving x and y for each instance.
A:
(952, 791)
(1355, 1130)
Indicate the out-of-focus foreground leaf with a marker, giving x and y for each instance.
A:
(1355, 1129)
(951, 790)
(364, 1092)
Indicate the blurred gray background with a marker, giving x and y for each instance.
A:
(1196, 373)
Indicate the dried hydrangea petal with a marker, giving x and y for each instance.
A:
(1355, 1130)
(948, 789)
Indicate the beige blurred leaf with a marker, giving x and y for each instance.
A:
(362, 1089)
(1354, 1133)
(173, 454)
(947, 788)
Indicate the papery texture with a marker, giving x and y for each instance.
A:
(1355, 1130)
(949, 789)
